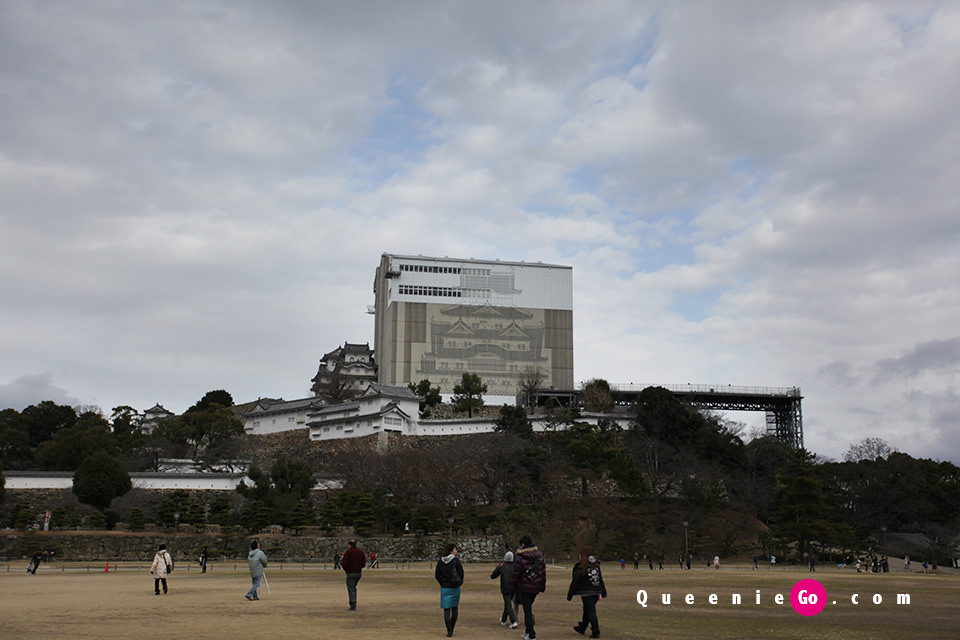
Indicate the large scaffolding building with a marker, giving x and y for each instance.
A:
(438, 318)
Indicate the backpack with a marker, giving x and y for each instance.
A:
(532, 572)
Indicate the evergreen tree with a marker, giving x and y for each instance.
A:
(44, 420)
(255, 517)
(99, 479)
(125, 424)
(172, 504)
(468, 394)
(212, 399)
(98, 520)
(15, 451)
(803, 510)
(584, 452)
(220, 513)
(70, 446)
(196, 515)
(514, 420)
(24, 516)
(625, 471)
(288, 484)
(329, 515)
(429, 395)
(357, 511)
(59, 519)
(301, 517)
(136, 521)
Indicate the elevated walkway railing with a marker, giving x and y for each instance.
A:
(632, 387)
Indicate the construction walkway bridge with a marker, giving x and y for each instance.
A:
(784, 417)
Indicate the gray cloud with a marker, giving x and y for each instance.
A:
(935, 356)
(196, 195)
(28, 390)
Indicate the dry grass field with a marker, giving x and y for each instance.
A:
(71, 601)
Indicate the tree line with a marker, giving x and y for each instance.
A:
(675, 480)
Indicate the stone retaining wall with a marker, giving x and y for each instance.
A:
(104, 546)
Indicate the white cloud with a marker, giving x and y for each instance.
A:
(196, 196)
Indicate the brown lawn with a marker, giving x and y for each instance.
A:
(68, 601)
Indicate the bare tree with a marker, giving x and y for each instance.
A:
(336, 388)
(529, 382)
(871, 448)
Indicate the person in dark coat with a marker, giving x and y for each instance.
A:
(449, 574)
(587, 582)
(35, 563)
(504, 571)
(353, 562)
(529, 579)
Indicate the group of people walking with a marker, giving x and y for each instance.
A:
(522, 575)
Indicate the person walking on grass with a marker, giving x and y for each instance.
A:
(504, 571)
(35, 563)
(353, 562)
(449, 574)
(529, 579)
(257, 560)
(587, 582)
(162, 565)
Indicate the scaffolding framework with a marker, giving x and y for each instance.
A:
(782, 405)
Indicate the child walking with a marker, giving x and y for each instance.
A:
(504, 571)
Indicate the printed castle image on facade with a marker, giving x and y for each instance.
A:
(496, 343)
(438, 318)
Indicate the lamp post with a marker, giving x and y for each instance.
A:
(686, 546)
(176, 529)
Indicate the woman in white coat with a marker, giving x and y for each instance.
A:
(162, 565)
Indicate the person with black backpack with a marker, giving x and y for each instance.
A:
(449, 574)
(587, 582)
(529, 578)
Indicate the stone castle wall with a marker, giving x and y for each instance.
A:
(111, 546)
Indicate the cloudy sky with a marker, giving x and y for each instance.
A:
(195, 195)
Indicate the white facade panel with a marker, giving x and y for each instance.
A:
(476, 282)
